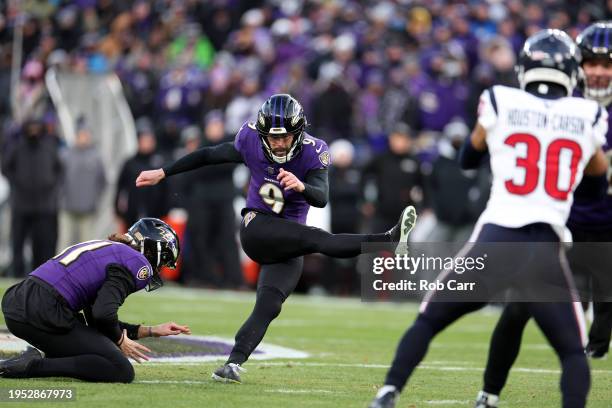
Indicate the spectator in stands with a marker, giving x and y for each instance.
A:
(83, 185)
(344, 188)
(33, 167)
(496, 67)
(139, 79)
(457, 196)
(369, 107)
(332, 105)
(442, 91)
(180, 97)
(31, 102)
(344, 200)
(396, 178)
(133, 203)
(210, 249)
(192, 47)
(244, 106)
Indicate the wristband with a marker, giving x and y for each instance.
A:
(150, 331)
(120, 342)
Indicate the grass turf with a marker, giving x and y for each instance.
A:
(350, 344)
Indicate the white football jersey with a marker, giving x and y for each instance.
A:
(538, 150)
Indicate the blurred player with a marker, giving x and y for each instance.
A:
(96, 277)
(525, 131)
(590, 221)
(288, 175)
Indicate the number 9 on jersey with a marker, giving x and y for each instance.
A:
(272, 195)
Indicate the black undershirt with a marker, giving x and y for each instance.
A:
(316, 192)
(102, 314)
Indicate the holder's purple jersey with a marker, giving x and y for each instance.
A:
(596, 215)
(265, 192)
(79, 271)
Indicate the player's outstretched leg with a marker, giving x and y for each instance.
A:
(267, 239)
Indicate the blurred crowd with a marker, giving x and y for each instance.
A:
(392, 86)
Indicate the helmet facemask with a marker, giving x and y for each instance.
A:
(280, 115)
(290, 153)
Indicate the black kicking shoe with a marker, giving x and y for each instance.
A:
(17, 367)
(595, 352)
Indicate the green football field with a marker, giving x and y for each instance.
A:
(350, 345)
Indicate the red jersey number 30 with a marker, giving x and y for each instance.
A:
(529, 163)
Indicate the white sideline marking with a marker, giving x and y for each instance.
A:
(426, 366)
(286, 391)
(447, 402)
(280, 390)
(485, 346)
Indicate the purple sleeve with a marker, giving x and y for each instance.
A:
(240, 142)
(321, 157)
(140, 270)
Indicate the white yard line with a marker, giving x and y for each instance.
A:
(287, 391)
(436, 366)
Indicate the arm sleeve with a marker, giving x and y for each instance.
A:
(469, 157)
(222, 153)
(316, 188)
(592, 188)
(118, 285)
(132, 329)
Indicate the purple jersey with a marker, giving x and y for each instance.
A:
(265, 192)
(79, 271)
(595, 215)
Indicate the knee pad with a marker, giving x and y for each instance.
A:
(269, 302)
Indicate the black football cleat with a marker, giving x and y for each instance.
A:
(386, 397)
(486, 400)
(600, 353)
(17, 367)
(399, 233)
(228, 373)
